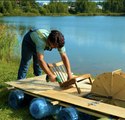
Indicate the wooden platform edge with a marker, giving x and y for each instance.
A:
(99, 114)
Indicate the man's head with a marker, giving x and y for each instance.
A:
(56, 39)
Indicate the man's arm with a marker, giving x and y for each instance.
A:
(67, 64)
(45, 68)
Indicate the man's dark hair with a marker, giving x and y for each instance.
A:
(57, 38)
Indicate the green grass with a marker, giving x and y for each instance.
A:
(8, 72)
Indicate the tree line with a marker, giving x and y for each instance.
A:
(57, 7)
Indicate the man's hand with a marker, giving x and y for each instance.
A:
(51, 78)
(44, 66)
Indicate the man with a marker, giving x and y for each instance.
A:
(35, 42)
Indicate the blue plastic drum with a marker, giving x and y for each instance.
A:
(83, 116)
(55, 109)
(41, 108)
(69, 113)
(16, 98)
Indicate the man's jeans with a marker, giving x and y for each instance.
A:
(28, 51)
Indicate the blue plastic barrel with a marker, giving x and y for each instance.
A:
(55, 109)
(40, 108)
(69, 113)
(16, 98)
(83, 116)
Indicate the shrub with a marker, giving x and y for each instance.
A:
(8, 40)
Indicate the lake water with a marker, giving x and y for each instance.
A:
(94, 44)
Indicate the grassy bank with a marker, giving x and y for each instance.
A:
(8, 72)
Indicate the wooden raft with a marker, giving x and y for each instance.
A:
(38, 87)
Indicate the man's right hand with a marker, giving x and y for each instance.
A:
(51, 78)
(43, 65)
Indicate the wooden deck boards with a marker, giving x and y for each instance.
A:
(37, 86)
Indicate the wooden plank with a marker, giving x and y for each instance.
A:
(118, 71)
(37, 86)
(86, 103)
(59, 63)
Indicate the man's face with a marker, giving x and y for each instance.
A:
(51, 44)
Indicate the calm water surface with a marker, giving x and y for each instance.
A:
(94, 44)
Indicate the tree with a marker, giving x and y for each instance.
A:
(84, 6)
(7, 6)
(57, 7)
(55, 0)
(81, 5)
(114, 5)
(1, 7)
